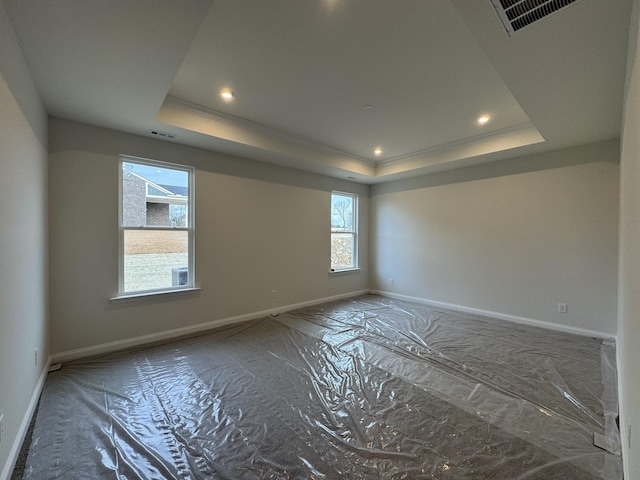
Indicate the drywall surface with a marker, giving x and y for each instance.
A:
(629, 268)
(23, 243)
(516, 244)
(17, 77)
(258, 228)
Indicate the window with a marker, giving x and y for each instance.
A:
(344, 221)
(156, 227)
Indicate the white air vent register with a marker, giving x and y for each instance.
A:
(517, 14)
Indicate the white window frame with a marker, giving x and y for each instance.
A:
(353, 232)
(190, 229)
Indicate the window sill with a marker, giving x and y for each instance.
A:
(137, 296)
(343, 270)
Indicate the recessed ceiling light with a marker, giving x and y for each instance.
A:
(483, 119)
(227, 94)
(378, 151)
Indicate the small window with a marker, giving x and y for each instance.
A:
(156, 226)
(344, 222)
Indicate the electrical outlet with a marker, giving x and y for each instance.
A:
(391, 281)
(274, 293)
(36, 357)
(629, 436)
(562, 308)
(1, 427)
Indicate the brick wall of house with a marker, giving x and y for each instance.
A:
(134, 197)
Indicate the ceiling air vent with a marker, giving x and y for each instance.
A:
(160, 134)
(517, 14)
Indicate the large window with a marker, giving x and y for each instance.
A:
(344, 222)
(156, 227)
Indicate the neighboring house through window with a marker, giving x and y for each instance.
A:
(156, 226)
(344, 226)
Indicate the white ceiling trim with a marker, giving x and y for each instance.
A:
(232, 120)
(515, 131)
(468, 153)
(218, 125)
(212, 132)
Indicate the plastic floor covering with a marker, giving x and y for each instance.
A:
(365, 388)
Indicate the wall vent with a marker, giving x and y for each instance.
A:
(517, 14)
(157, 133)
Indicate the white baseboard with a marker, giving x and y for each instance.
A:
(185, 331)
(502, 316)
(203, 327)
(24, 425)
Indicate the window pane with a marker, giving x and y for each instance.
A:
(341, 212)
(154, 196)
(155, 259)
(342, 250)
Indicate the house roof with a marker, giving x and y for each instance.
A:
(175, 190)
(167, 190)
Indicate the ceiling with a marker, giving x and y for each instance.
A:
(319, 84)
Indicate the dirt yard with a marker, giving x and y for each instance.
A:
(163, 241)
(154, 241)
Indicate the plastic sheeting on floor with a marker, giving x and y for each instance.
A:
(365, 388)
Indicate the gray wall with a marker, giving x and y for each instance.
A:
(629, 279)
(515, 238)
(23, 242)
(258, 228)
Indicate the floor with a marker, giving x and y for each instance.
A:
(365, 388)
